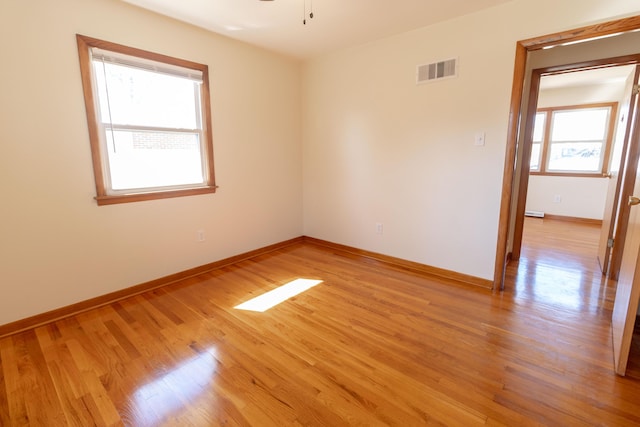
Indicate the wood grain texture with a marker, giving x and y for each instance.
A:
(374, 344)
(47, 317)
(506, 195)
(584, 33)
(525, 161)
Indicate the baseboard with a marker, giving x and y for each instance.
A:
(408, 265)
(82, 306)
(590, 221)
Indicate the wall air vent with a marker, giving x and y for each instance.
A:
(439, 70)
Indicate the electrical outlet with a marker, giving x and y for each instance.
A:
(200, 236)
(379, 228)
(557, 198)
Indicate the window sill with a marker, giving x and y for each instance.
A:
(140, 197)
(569, 174)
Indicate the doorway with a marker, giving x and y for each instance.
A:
(521, 122)
(568, 184)
(576, 139)
(532, 54)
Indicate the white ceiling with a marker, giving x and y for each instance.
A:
(278, 25)
(610, 75)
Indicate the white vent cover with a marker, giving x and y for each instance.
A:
(439, 70)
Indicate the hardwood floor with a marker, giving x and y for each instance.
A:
(371, 345)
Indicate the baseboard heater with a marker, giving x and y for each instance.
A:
(536, 214)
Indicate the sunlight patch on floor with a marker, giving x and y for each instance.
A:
(274, 297)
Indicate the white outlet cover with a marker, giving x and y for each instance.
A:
(479, 139)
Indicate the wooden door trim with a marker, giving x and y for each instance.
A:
(526, 159)
(519, 74)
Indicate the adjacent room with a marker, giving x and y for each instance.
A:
(319, 213)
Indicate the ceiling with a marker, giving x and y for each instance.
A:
(609, 75)
(278, 25)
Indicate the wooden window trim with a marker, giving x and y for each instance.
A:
(547, 136)
(102, 197)
(543, 146)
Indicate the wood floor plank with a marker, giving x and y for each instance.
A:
(5, 417)
(43, 406)
(15, 403)
(373, 344)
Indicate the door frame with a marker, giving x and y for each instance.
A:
(523, 47)
(523, 186)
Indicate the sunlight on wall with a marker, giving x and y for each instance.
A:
(274, 297)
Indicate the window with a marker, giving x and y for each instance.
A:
(538, 136)
(573, 141)
(149, 123)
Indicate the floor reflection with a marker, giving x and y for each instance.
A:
(544, 283)
(558, 266)
(178, 388)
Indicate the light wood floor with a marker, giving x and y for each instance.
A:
(372, 345)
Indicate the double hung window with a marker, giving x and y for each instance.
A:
(149, 123)
(573, 140)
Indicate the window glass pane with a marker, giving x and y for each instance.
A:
(141, 159)
(131, 96)
(580, 125)
(538, 129)
(534, 165)
(575, 157)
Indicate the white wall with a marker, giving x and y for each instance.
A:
(579, 197)
(378, 148)
(57, 247)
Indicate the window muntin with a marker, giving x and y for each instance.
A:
(573, 140)
(538, 136)
(149, 123)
